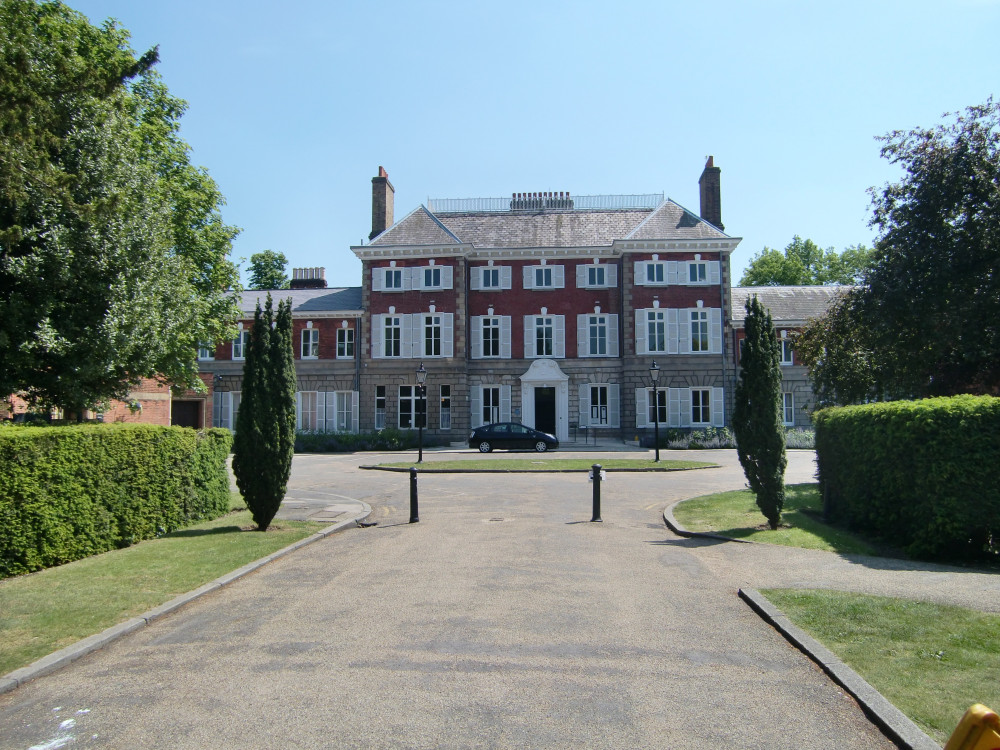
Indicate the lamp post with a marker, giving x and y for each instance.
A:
(654, 375)
(421, 411)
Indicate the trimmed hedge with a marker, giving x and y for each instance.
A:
(920, 474)
(70, 492)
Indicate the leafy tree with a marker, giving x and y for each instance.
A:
(804, 263)
(265, 422)
(113, 256)
(924, 322)
(267, 270)
(757, 423)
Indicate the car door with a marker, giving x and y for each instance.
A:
(520, 436)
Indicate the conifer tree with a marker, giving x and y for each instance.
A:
(265, 422)
(757, 423)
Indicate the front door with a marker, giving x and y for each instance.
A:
(545, 409)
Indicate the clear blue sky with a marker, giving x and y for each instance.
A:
(293, 107)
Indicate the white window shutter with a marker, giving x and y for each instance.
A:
(684, 331)
(582, 339)
(378, 276)
(559, 276)
(673, 269)
(505, 403)
(413, 335)
(355, 411)
(416, 277)
(505, 337)
(673, 335)
(320, 411)
(718, 411)
(476, 280)
(639, 277)
(378, 326)
(448, 334)
(581, 276)
(674, 407)
(714, 272)
(685, 403)
(641, 407)
(529, 277)
(298, 410)
(611, 277)
(559, 344)
(715, 326)
(584, 404)
(641, 322)
(529, 336)
(612, 335)
(614, 407)
(476, 332)
(447, 277)
(476, 404)
(505, 277)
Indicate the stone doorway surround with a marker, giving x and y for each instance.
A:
(546, 373)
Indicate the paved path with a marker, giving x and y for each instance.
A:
(503, 619)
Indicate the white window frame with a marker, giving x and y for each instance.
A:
(656, 325)
(583, 330)
(657, 269)
(380, 401)
(787, 353)
(206, 352)
(433, 335)
(479, 274)
(431, 278)
(397, 276)
(491, 330)
(392, 324)
(697, 272)
(310, 343)
(552, 277)
(444, 410)
(307, 411)
(701, 405)
(240, 345)
(545, 336)
(532, 325)
(413, 401)
(700, 331)
(788, 408)
(345, 343)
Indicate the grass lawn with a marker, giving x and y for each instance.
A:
(45, 611)
(736, 515)
(931, 661)
(551, 464)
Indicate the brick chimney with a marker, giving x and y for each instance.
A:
(711, 194)
(308, 278)
(382, 197)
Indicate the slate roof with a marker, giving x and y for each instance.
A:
(344, 299)
(547, 228)
(788, 304)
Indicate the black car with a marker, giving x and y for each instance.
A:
(511, 435)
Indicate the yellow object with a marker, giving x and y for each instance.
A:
(979, 729)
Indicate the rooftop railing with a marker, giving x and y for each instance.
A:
(543, 202)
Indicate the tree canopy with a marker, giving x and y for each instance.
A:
(757, 418)
(267, 270)
(113, 253)
(804, 263)
(924, 321)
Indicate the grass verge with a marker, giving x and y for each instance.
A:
(932, 661)
(551, 464)
(45, 611)
(735, 514)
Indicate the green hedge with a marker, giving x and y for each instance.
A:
(70, 492)
(920, 474)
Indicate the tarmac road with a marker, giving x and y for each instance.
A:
(503, 619)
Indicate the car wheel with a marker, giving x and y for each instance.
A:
(541, 446)
(485, 447)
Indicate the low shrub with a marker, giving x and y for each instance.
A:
(70, 492)
(916, 473)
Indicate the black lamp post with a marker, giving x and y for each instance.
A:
(654, 375)
(421, 411)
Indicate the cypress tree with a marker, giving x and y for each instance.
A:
(757, 422)
(265, 422)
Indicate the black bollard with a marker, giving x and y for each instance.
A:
(596, 469)
(414, 518)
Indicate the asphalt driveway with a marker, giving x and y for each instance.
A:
(503, 619)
